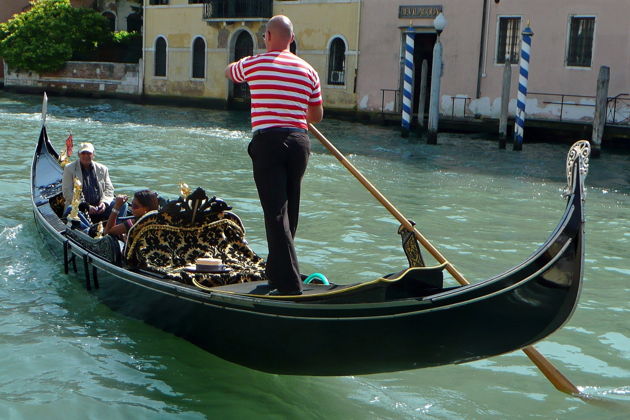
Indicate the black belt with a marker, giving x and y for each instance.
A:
(279, 130)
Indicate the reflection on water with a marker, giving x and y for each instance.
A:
(65, 355)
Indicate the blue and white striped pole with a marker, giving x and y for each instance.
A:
(407, 107)
(523, 74)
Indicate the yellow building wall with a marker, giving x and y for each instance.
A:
(315, 25)
(180, 24)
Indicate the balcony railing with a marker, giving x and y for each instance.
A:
(237, 9)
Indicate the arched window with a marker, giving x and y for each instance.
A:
(134, 23)
(199, 58)
(337, 62)
(111, 20)
(160, 57)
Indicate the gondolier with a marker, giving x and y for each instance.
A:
(285, 95)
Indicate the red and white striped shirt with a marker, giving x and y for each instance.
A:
(282, 86)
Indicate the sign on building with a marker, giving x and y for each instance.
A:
(415, 12)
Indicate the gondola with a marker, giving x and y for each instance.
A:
(406, 319)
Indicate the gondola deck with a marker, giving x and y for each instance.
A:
(417, 282)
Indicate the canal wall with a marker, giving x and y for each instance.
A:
(118, 80)
(80, 77)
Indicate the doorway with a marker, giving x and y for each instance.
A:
(243, 47)
(423, 50)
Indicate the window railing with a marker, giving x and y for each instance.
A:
(508, 42)
(337, 77)
(580, 51)
(237, 9)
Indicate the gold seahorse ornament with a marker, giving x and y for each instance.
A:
(184, 189)
(63, 159)
(99, 230)
(76, 199)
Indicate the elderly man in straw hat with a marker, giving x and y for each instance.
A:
(97, 191)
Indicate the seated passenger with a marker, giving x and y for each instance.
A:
(97, 190)
(143, 202)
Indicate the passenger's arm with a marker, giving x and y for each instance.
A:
(111, 227)
(117, 230)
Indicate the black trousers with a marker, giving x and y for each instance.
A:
(279, 161)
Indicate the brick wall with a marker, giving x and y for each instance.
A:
(97, 78)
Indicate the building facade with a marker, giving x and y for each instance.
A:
(123, 15)
(188, 44)
(572, 39)
(7, 10)
(357, 48)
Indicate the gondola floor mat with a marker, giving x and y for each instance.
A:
(262, 288)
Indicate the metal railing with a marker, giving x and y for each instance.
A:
(619, 102)
(237, 9)
(397, 105)
(617, 112)
(562, 101)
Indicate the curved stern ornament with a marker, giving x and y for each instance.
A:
(581, 149)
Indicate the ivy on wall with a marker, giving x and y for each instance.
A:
(50, 33)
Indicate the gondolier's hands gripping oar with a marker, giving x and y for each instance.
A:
(551, 373)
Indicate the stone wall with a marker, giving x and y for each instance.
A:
(91, 78)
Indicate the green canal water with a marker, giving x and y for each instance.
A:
(64, 355)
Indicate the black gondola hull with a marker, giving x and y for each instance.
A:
(496, 316)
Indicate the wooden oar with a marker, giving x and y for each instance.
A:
(551, 373)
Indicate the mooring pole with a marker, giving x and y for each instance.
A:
(601, 105)
(505, 101)
(519, 122)
(439, 23)
(423, 94)
(407, 108)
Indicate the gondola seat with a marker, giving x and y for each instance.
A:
(169, 241)
(106, 247)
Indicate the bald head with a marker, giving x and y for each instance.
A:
(279, 33)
